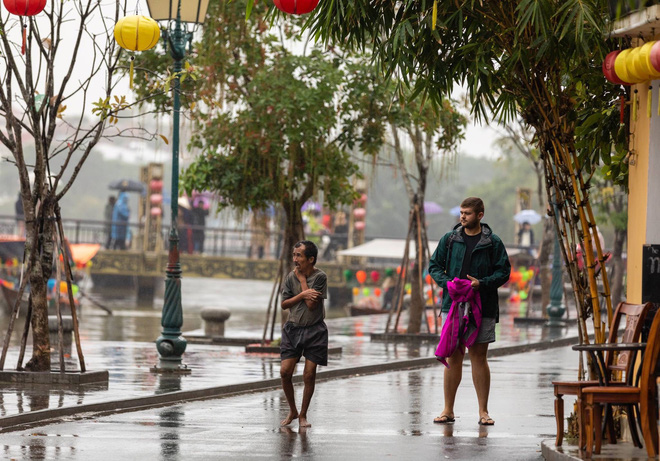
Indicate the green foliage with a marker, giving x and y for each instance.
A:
(278, 145)
(525, 57)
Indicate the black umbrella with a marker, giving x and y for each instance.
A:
(128, 185)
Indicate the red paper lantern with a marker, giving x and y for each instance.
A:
(375, 276)
(25, 7)
(428, 279)
(361, 276)
(608, 68)
(296, 6)
(156, 185)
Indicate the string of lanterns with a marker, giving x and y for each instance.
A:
(634, 65)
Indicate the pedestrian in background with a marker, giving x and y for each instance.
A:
(471, 251)
(199, 214)
(107, 217)
(304, 333)
(120, 215)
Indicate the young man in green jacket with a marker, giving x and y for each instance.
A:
(473, 252)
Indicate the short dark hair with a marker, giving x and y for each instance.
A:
(311, 250)
(475, 203)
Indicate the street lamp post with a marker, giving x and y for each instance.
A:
(556, 308)
(170, 344)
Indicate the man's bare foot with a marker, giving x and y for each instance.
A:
(304, 423)
(291, 416)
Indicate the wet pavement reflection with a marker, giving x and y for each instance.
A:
(123, 345)
(382, 416)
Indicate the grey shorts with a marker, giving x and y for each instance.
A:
(310, 342)
(486, 330)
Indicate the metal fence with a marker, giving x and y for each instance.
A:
(218, 241)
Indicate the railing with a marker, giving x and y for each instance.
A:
(217, 241)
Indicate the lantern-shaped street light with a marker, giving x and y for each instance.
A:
(178, 14)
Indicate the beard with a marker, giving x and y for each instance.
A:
(473, 224)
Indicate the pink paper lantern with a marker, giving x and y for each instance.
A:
(156, 185)
(360, 225)
(156, 211)
(359, 213)
(156, 199)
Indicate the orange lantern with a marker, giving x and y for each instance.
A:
(377, 291)
(361, 276)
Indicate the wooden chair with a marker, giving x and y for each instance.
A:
(634, 319)
(643, 393)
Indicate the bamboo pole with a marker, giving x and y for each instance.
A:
(400, 280)
(58, 309)
(17, 305)
(24, 336)
(553, 185)
(601, 258)
(587, 248)
(67, 273)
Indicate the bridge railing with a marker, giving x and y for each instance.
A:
(218, 241)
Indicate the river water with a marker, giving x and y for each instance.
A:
(247, 300)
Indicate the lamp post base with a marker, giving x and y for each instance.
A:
(170, 368)
(555, 315)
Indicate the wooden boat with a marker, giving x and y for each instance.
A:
(10, 295)
(365, 310)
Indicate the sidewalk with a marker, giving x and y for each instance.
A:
(370, 417)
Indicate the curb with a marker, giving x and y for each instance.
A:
(552, 453)
(41, 417)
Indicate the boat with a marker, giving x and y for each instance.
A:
(354, 310)
(10, 294)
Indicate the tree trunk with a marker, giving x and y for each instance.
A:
(416, 295)
(44, 246)
(618, 268)
(294, 231)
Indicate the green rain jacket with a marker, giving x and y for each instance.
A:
(490, 265)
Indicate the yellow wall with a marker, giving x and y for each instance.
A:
(638, 197)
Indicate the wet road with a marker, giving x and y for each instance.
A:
(385, 416)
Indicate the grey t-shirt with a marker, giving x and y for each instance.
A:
(300, 315)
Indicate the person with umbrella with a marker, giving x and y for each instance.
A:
(120, 214)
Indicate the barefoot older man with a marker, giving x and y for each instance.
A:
(305, 333)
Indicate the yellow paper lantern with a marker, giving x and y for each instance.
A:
(137, 33)
(644, 56)
(621, 67)
(637, 73)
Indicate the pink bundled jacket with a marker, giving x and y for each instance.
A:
(463, 321)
